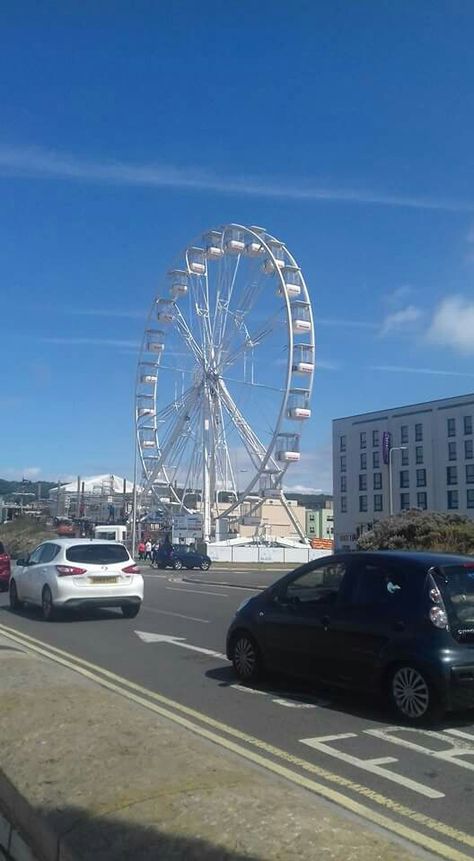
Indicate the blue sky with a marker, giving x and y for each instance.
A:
(346, 129)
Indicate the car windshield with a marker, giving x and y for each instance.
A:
(97, 554)
(457, 585)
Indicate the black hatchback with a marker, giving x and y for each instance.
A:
(397, 622)
(180, 556)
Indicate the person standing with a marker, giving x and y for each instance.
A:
(141, 550)
(148, 550)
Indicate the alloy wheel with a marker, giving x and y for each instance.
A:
(411, 693)
(245, 658)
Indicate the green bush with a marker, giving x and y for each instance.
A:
(421, 530)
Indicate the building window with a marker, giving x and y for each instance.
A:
(421, 478)
(376, 459)
(405, 457)
(468, 449)
(363, 481)
(453, 499)
(378, 502)
(362, 503)
(343, 463)
(404, 478)
(342, 443)
(452, 451)
(470, 498)
(419, 432)
(404, 434)
(311, 528)
(451, 475)
(469, 473)
(375, 438)
(419, 454)
(421, 500)
(343, 504)
(404, 501)
(451, 427)
(377, 481)
(343, 483)
(363, 439)
(363, 461)
(468, 424)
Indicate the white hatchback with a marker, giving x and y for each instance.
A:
(77, 573)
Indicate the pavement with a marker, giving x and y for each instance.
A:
(90, 769)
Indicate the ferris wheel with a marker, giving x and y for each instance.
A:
(224, 377)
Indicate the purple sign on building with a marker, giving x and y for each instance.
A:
(386, 445)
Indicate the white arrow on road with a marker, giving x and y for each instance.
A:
(147, 637)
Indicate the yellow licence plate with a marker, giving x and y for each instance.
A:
(103, 579)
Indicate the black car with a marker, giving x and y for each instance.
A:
(400, 623)
(180, 556)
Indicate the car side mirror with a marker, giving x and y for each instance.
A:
(21, 562)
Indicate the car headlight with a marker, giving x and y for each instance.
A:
(242, 605)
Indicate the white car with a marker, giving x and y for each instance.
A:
(77, 573)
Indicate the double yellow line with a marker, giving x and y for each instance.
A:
(254, 750)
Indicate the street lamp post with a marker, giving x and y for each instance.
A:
(390, 480)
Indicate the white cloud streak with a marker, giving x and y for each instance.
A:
(91, 342)
(453, 325)
(351, 324)
(39, 163)
(400, 319)
(400, 369)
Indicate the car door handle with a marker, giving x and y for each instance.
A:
(325, 622)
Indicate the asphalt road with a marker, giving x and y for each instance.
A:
(421, 779)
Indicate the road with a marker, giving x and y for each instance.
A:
(421, 780)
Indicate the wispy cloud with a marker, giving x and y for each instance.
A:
(353, 324)
(91, 342)
(453, 325)
(107, 312)
(400, 369)
(400, 319)
(48, 164)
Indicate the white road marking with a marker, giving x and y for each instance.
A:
(195, 591)
(371, 765)
(293, 704)
(452, 754)
(148, 637)
(248, 690)
(178, 615)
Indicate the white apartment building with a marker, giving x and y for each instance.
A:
(425, 449)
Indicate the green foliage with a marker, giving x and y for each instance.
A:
(22, 535)
(421, 530)
(10, 488)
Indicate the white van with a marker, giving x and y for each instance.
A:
(111, 532)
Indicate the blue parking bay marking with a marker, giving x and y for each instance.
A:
(373, 766)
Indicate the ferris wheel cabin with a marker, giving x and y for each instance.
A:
(300, 316)
(179, 283)
(292, 281)
(287, 448)
(298, 404)
(213, 245)
(166, 310)
(154, 341)
(303, 359)
(196, 260)
(235, 244)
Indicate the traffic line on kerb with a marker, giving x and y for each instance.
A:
(181, 715)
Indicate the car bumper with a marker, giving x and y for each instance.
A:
(82, 603)
(68, 593)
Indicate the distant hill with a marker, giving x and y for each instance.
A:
(10, 488)
(310, 500)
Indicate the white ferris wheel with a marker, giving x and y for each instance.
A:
(224, 377)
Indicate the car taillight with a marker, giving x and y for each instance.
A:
(69, 570)
(131, 569)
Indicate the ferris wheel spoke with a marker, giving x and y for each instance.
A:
(177, 427)
(250, 342)
(257, 451)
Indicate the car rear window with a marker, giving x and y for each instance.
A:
(457, 586)
(97, 554)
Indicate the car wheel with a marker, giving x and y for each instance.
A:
(177, 564)
(246, 658)
(130, 610)
(412, 695)
(15, 603)
(47, 604)
(205, 565)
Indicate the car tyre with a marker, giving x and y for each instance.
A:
(205, 565)
(246, 657)
(129, 611)
(15, 603)
(412, 695)
(177, 564)
(47, 605)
